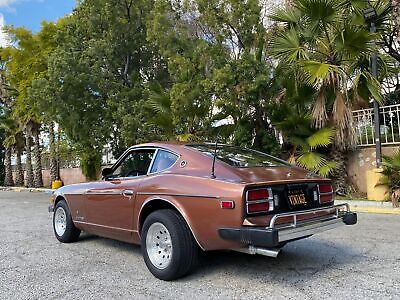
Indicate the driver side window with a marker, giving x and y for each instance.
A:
(136, 163)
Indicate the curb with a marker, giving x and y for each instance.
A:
(24, 189)
(375, 210)
(374, 207)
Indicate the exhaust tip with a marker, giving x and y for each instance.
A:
(270, 252)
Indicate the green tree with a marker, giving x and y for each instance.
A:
(305, 145)
(218, 66)
(98, 74)
(328, 47)
(26, 62)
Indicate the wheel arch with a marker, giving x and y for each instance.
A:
(157, 204)
(58, 199)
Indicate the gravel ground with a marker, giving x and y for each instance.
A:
(352, 262)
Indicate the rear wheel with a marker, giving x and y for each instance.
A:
(168, 247)
(64, 229)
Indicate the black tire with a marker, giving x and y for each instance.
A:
(71, 233)
(185, 250)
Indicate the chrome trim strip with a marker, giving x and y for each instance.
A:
(105, 192)
(104, 226)
(152, 161)
(178, 195)
(166, 150)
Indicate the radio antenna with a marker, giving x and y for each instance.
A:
(216, 124)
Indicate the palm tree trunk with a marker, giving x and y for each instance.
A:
(396, 16)
(53, 154)
(29, 170)
(8, 179)
(19, 174)
(339, 175)
(37, 158)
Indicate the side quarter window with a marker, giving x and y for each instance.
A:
(163, 161)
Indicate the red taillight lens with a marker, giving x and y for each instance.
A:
(325, 188)
(259, 200)
(261, 194)
(325, 193)
(258, 207)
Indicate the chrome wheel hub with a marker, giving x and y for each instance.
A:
(60, 221)
(159, 245)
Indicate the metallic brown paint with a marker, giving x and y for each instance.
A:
(101, 207)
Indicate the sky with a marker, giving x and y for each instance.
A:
(30, 13)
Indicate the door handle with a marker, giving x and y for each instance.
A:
(128, 193)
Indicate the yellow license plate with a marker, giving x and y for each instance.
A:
(297, 199)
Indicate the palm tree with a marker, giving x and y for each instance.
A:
(53, 155)
(328, 48)
(37, 157)
(305, 144)
(13, 141)
(8, 178)
(28, 148)
(19, 147)
(162, 117)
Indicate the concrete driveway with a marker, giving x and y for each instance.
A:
(352, 262)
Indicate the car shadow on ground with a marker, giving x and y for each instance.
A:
(122, 246)
(304, 258)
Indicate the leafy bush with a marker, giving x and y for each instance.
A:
(391, 178)
(91, 164)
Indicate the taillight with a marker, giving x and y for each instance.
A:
(259, 200)
(325, 192)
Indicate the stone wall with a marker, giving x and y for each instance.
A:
(362, 160)
(68, 176)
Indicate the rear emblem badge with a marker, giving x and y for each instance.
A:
(288, 174)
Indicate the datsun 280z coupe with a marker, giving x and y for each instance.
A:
(175, 199)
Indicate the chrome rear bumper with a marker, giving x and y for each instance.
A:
(297, 229)
(292, 226)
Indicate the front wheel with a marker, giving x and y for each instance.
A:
(168, 247)
(64, 229)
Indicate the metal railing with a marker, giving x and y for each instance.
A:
(389, 125)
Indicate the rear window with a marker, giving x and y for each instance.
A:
(240, 157)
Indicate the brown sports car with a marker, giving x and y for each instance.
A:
(175, 199)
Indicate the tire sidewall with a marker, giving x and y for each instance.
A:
(66, 237)
(174, 265)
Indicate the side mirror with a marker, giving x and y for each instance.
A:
(106, 172)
